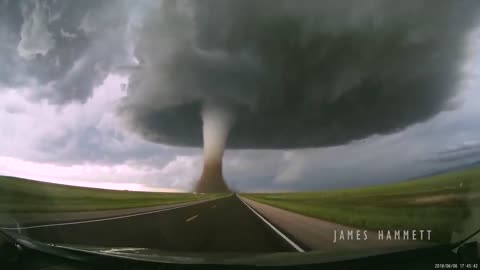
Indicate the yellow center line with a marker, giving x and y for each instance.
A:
(192, 218)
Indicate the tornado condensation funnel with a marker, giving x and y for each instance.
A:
(216, 125)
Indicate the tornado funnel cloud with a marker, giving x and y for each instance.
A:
(216, 126)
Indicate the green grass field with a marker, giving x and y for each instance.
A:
(439, 203)
(21, 195)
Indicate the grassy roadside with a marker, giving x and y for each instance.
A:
(439, 203)
(25, 196)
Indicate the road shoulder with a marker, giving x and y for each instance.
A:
(317, 234)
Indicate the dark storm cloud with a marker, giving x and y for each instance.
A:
(296, 73)
(62, 49)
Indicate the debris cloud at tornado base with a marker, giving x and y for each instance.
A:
(294, 74)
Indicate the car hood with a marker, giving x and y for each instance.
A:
(83, 253)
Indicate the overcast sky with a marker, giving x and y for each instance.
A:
(66, 68)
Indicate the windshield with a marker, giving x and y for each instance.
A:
(217, 127)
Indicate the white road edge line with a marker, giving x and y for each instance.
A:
(192, 218)
(299, 249)
(104, 219)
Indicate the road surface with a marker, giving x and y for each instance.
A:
(225, 225)
(221, 225)
(33, 219)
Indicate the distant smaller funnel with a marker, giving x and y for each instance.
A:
(216, 125)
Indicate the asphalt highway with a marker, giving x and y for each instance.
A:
(222, 225)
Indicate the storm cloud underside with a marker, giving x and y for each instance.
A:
(295, 75)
